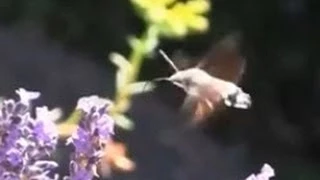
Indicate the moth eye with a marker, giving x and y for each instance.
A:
(188, 82)
(233, 97)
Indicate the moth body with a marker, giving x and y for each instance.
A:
(202, 86)
(213, 80)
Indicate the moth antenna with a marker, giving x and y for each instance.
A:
(168, 60)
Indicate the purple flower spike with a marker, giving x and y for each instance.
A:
(14, 157)
(25, 140)
(80, 140)
(80, 173)
(95, 128)
(45, 129)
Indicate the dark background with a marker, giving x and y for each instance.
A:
(60, 47)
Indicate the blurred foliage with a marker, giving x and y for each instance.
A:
(282, 49)
(185, 15)
(175, 19)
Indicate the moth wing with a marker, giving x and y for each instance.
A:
(183, 61)
(224, 60)
(198, 109)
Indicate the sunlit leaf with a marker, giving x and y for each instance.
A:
(123, 121)
(121, 79)
(141, 87)
(153, 40)
(124, 68)
(134, 42)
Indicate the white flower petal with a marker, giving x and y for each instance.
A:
(266, 173)
(27, 96)
(43, 113)
(86, 103)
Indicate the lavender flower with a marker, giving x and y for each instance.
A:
(25, 140)
(265, 174)
(95, 128)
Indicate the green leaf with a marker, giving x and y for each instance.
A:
(134, 42)
(123, 122)
(123, 71)
(141, 87)
(152, 41)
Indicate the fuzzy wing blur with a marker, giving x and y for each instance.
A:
(184, 61)
(197, 109)
(224, 59)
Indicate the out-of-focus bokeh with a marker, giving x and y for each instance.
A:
(61, 49)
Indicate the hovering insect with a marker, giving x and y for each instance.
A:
(213, 81)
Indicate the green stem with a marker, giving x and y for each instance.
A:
(136, 58)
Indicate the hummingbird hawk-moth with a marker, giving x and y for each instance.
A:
(212, 82)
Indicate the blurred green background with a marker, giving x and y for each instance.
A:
(60, 48)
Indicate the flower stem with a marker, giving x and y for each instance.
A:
(122, 100)
(136, 58)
